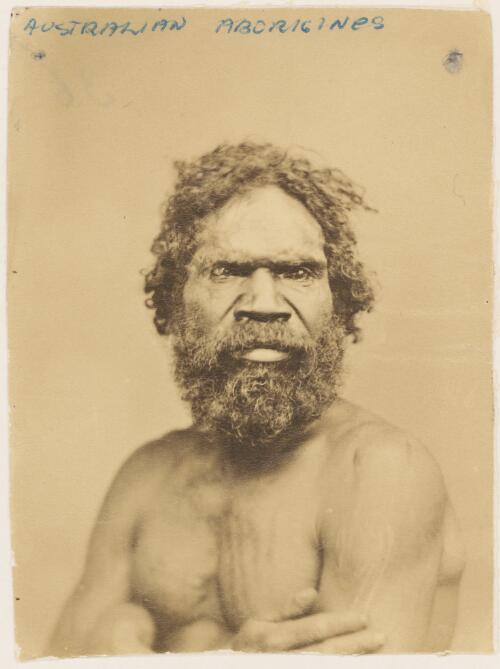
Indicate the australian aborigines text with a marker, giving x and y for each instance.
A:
(225, 26)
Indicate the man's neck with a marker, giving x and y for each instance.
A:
(251, 459)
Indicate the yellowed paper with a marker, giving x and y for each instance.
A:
(101, 103)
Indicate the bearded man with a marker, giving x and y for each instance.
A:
(284, 519)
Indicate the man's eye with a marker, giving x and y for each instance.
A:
(298, 274)
(221, 272)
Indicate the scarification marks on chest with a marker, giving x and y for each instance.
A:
(253, 569)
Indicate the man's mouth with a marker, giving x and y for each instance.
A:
(262, 354)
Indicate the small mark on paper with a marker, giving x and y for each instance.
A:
(453, 61)
(39, 55)
(454, 189)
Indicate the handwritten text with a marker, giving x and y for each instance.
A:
(110, 28)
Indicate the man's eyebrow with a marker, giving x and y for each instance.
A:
(311, 264)
(276, 266)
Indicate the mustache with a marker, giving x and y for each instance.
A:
(197, 352)
(258, 334)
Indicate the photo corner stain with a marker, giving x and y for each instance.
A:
(453, 61)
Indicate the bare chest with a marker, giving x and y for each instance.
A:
(209, 553)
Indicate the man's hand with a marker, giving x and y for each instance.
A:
(295, 628)
(126, 629)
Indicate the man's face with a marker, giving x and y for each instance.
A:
(260, 258)
(258, 345)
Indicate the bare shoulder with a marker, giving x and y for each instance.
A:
(378, 470)
(169, 448)
(153, 465)
(372, 447)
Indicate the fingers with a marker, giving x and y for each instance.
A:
(258, 635)
(317, 628)
(294, 627)
(364, 641)
(299, 605)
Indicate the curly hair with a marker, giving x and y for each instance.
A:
(207, 184)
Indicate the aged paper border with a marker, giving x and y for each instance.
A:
(7, 645)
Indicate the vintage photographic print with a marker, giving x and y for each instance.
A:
(250, 309)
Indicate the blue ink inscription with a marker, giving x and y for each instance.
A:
(110, 28)
(257, 27)
(227, 26)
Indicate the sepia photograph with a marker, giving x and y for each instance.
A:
(250, 293)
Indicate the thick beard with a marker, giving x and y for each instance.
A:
(254, 404)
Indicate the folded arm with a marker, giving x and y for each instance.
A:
(99, 617)
(383, 552)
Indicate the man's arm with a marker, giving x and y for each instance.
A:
(383, 555)
(99, 617)
(444, 610)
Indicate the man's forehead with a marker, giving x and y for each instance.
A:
(264, 222)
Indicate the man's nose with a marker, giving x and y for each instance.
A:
(261, 301)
